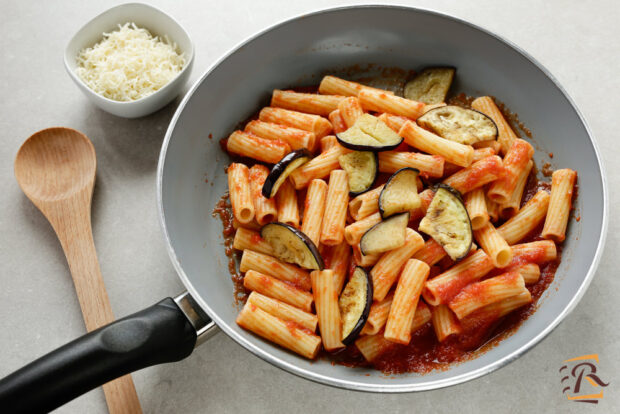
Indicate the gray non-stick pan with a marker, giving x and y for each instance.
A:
(298, 52)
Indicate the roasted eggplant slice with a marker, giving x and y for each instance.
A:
(354, 303)
(283, 169)
(386, 235)
(292, 246)
(464, 126)
(362, 168)
(400, 193)
(369, 133)
(430, 86)
(447, 222)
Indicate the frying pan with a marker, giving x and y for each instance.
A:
(298, 52)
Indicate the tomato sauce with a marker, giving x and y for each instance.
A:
(223, 211)
(480, 331)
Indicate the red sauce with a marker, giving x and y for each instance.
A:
(223, 210)
(402, 147)
(449, 290)
(265, 281)
(480, 331)
(295, 329)
(481, 170)
(461, 100)
(512, 118)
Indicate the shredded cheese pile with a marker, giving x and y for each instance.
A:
(129, 64)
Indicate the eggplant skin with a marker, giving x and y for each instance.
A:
(362, 169)
(282, 169)
(292, 246)
(400, 193)
(354, 303)
(431, 85)
(448, 223)
(465, 126)
(386, 235)
(369, 133)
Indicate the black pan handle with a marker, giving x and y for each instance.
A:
(159, 334)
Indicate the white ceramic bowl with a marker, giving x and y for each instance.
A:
(159, 24)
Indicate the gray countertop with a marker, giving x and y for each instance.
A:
(577, 41)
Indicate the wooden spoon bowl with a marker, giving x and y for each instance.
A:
(54, 164)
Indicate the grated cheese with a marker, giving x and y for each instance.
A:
(129, 64)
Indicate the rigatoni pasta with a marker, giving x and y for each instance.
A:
(331, 85)
(526, 220)
(515, 161)
(326, 302)
(511, 207)
(392, 161)
(379, 312)
(442, 288)
(337, 121)
(373, 345)
(270, 265)
(338, 260)
(478, 174)
(350, 110)
(307, 122)
(296, 138)
(424, 140)
(494, 245)
(506, 136)
(562, 184)
(283, 310)
(305, 102)
(365, 204)
(265, 210)
(261, 149)
(318, 167)
(480, 294)
(283, 333)
(387, 269)
(381, 101)
(445, 322)
(314, 208)
(240, 193)
(354, 232)
(252, 240)
(334, 217)
(364, 260)
(277, 289)
(410, 283)
(476, 204)
(431, 253)
(288, 207)
(404, 288)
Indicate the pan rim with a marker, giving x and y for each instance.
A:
(384, 387)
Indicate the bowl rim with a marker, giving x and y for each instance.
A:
(385, 387)
(166, 87)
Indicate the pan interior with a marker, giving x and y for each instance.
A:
(298, 52)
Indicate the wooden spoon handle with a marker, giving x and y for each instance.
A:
(74, 231)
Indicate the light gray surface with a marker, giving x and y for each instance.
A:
(577, 43)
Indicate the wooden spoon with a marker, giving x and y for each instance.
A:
(56, 168)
